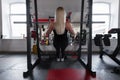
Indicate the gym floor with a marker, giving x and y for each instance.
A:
(12, 67)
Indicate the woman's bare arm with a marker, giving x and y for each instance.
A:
(69, 28)
(50, 28)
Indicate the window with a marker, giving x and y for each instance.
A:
(101, 13)
(18, 14)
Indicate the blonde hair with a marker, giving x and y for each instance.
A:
(60, 20)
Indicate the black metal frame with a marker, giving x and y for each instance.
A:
(116, 51)
(29, 64)
(30, 67)
(88, 66)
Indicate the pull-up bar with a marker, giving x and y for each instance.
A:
(47, 20)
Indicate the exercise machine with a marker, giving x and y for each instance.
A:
(100, 39)
(105, 38)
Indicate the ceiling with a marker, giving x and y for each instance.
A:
(47, 8)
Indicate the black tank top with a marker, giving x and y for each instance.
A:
(60, 37)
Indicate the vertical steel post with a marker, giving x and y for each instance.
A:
(36, 25)
(81, 27)
(89, 64)
(29, 65)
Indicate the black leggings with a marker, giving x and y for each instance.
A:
(60, 48)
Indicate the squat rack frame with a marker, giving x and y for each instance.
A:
(31, 66)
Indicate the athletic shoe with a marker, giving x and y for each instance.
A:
(62, 59)
(58, 59)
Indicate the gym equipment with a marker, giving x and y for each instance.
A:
(116, 51)
(106, 41)
(34, 49)
(45, 40)
(88, 65)
(47, 20)
(33, 35)
(97, 39)
(43, 28)
(83, 37)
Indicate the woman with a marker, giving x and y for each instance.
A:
(60, 27)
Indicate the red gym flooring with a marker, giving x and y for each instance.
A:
(12, 67)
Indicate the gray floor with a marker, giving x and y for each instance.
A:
(12, 67)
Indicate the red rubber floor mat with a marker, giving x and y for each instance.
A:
(68, 74)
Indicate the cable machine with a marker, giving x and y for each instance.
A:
(87, 66)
